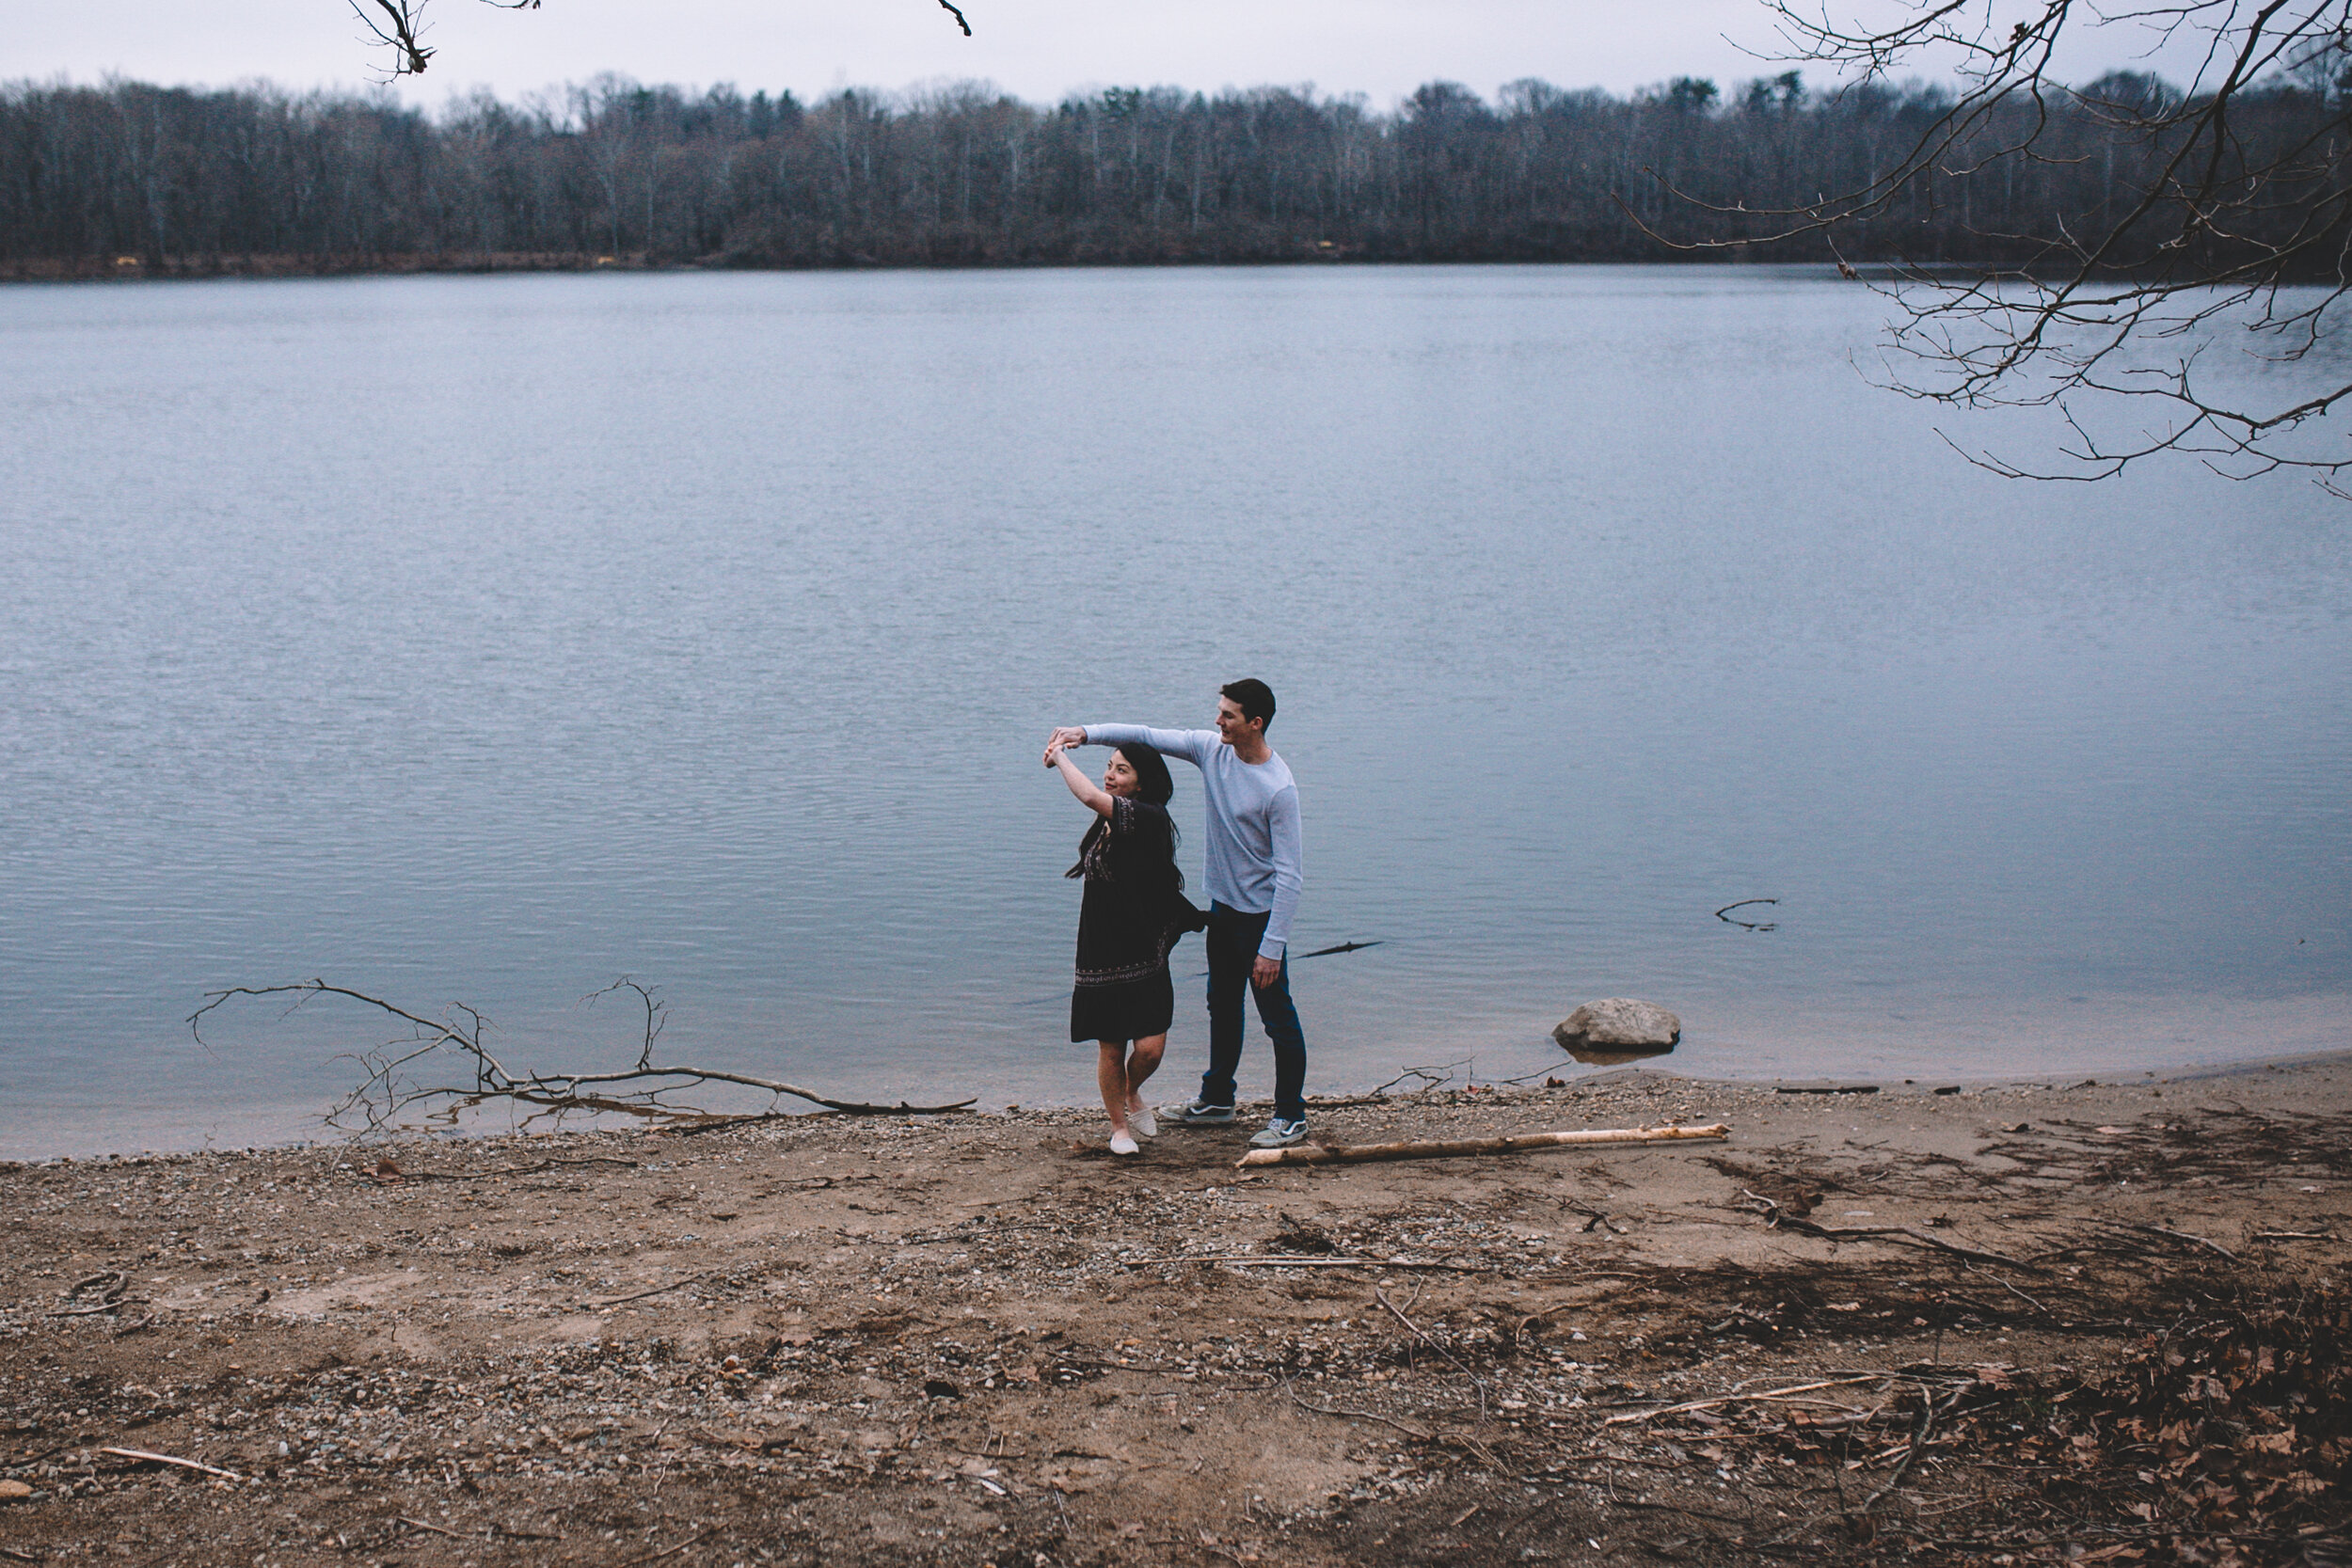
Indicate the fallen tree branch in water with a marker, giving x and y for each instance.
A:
(389, 1082)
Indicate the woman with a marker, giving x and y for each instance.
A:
(1134, 911)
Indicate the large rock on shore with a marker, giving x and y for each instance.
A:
(1619, 1024)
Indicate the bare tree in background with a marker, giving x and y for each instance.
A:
(2187, 312)
(398, 26)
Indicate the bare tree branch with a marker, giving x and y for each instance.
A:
(2228, 223)
(389, 1082)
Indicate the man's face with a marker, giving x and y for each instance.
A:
(1230, 726)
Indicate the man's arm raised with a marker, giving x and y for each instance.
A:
(1194, 746)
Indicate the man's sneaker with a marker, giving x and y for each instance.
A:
(1141, 1122)
(1199, 1114)
(1121, 1144)
(1280, 1135)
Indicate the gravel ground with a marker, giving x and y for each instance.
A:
(979, 1338)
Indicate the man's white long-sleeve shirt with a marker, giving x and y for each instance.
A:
(1255, 863)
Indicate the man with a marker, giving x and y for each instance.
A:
(1254, 882)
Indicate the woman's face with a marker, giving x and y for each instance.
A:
(1119, 777)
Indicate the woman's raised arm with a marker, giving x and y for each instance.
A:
(1085, 789)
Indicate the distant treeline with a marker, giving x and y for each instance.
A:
(131, 176)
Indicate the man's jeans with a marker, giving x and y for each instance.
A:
(1232, 938)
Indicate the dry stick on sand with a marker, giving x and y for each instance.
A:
(1446, 1149)
(437, 1530)
(1770, 1394)
(1477, 1382)
(2184, 1236)
(1410, 1430)
(110, 1283)
(387, 1171)
(670, 1552)
(169, 1459)
(1776, 1217)
(1302, 1261)
(657, 1291)
(1927, 1414)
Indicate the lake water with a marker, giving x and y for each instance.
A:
(484, 639)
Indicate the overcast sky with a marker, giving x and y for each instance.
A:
(1038, 49)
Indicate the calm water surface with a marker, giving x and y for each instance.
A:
(483, 639)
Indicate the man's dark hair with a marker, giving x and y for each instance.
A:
(1254, 698)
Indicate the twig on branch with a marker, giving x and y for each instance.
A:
(397, 32)
(654, 1022)
(399, 25)
(2222, 198)
(1431, 1077)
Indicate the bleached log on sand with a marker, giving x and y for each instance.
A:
(1447, 1148)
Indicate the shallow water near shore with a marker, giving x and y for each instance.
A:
(483, 640)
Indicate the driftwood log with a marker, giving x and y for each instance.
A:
(1447, 1148)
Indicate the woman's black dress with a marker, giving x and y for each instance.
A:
(1132, 915)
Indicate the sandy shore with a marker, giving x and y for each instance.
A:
(978, 1338)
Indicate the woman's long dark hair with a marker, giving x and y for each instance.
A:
(1154, 784)
(1151, 781)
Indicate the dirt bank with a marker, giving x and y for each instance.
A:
(2099, 1322)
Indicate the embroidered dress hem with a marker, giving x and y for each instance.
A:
(1129, 1010)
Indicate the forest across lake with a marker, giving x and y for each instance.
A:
(132, 178)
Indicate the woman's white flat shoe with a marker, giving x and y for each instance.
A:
(1123, 1144)
(1141, 1122)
